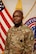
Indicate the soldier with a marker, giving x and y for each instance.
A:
(20, 37)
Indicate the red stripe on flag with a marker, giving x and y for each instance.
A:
(3, 29)
(0, 24)
(31, 24)
(1, 47)
(0, 12)
(2, 39)
(3, 17)
(8, 14)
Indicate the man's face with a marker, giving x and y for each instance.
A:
(17, 18)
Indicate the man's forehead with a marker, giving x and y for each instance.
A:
(17, 13)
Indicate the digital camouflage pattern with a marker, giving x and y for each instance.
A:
(19, 40)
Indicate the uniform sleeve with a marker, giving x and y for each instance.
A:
(29, 40)
(6, 51)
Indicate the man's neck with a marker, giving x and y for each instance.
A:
(17, 25)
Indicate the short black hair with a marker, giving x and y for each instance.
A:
(19, 12)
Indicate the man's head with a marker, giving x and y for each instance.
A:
(17, 17)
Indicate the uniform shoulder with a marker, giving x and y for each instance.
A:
(26, 28)
(10, 30)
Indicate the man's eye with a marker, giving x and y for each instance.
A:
(17, 16)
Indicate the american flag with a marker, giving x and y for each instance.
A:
(6, 22)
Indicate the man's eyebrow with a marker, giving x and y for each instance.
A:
(17, 15)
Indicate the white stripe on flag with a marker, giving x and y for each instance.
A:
(34, 41)
(0, 51)
(2, 43)
(3, 35)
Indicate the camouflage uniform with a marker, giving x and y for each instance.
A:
(19, 40)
